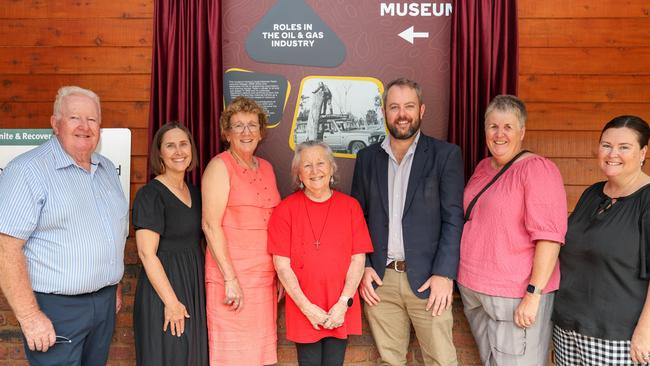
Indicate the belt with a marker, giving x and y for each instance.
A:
(399, 266)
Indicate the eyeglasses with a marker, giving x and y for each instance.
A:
(240, 127)
(62, 339)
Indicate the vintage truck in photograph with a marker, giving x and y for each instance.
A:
(341, 133)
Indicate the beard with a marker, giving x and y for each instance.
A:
(412, 130)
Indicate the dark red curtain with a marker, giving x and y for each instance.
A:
(186, 72)
(483, 64)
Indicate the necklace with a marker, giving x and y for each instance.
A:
(311, 227)
(170, 185)
(180, 193)
(240, 161)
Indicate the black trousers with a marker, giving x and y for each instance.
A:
(86, 320)
(328, 351)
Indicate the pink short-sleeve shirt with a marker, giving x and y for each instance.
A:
(527, 203)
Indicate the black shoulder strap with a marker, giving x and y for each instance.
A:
(503, 170)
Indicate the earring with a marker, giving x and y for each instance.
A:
(301, 185)
(331, 181)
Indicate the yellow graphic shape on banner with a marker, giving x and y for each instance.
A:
(270, 91)
(343, 111)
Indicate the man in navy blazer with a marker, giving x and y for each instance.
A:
(410, 188)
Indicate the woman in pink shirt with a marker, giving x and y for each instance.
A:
(508, 268)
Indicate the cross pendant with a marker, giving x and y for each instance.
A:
(317, 244)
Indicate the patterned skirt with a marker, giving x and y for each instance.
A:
(575, 349)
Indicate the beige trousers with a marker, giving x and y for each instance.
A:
(390, 323)
(500, 342)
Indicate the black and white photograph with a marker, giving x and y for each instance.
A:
(344, 112)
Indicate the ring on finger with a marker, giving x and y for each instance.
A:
(646, 356)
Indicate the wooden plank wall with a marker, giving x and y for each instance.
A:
(103, 45)
(582, 62)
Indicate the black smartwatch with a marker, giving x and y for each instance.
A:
(347, 300)
(531, 289)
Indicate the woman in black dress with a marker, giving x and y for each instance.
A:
(169, 312)
(602, 310)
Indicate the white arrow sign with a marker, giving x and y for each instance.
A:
(409, 35)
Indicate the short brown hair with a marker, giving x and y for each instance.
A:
(156, 163)
(242, 105)
(403, 82)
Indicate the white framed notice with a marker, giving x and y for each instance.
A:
(114, 143)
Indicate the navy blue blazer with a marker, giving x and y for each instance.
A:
(432, 221)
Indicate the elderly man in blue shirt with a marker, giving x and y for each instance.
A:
(63, 225)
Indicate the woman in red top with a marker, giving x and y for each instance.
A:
(318, 238)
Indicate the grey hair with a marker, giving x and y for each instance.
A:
(66, 91)
(295, 163)
(508, 103)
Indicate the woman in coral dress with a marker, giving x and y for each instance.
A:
(239, 193)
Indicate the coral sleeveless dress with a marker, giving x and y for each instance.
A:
(247, 336)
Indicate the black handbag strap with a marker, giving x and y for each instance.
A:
(500, 173)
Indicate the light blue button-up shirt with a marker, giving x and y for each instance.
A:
(74, 222)
(398, 181)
